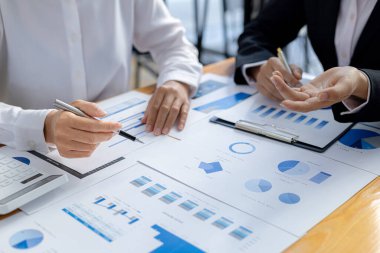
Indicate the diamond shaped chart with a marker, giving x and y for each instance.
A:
(210, 167)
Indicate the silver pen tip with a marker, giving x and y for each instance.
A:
(138, 140)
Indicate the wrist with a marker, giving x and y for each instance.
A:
(254, 72)
(362, 86)
(49, 127)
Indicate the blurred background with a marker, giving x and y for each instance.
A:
(214, 26)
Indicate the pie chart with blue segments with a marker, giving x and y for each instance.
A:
(242, 148)
(293, 168)
(361, 139)
(289, 198)
(258, 185)
(26, 239)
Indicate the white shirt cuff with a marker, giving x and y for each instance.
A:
(354, 105)
(244, 69)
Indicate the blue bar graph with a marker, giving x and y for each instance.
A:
(268, 112)
(204, 214)
(322, 124)
(224, 103)
(222, 223)
(188, 205)
(320, 177)
(99, 200)
(240, 233)
(133, 221)
(311, 121)
(259, 109)
(291, 115)
(111, 205)
(300, 119)
(278, 114)
(170, 197)
(153, 190)
(140, 181)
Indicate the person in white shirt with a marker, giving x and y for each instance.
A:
(80, 50)
(345, 37)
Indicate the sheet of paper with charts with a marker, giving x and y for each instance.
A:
(206, 189)
(286, 186)
(117, 216)
(317, 128)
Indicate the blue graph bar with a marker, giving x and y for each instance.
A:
(300, 119)
(99, 200)
(320, 177)
(259, 109)
(240, 233)
(269, 111)
(153, 190)
(188, 205)
(311, 121)
(204, 214)
(140, 181)
(322, 124)
(172, 243)
(224, 103)
(135, 116)
(278, 114)
(170, 198)
(133, 221)
(291, 115)
(87, 225)
(112, 205)
(222, 223)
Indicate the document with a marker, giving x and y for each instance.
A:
(359, 147)
(317, 128)
(283, 185)
(141, 210)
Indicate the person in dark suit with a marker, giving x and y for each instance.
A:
(345, 35)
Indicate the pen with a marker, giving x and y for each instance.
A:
(58, 104)
(282, 58)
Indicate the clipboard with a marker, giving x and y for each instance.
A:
(273, 132)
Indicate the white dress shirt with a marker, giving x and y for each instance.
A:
(352, 18)
(79, 49)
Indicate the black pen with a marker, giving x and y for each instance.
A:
(58, 104)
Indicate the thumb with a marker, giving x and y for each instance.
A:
(89, 108)
(297, 71)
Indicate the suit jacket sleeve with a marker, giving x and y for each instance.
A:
(276, 26)
(371, 111)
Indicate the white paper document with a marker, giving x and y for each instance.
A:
(141, 210)
(359, 147)
(317, 128)
(286, 186)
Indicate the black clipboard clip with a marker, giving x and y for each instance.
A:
(267, 130)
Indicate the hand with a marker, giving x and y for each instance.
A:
(263, 74)
(76, 136)
(333, 86)
(169, 103)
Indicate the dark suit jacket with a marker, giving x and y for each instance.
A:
(279, 23)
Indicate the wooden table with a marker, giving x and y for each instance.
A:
(353, 227)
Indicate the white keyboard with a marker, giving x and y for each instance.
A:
(20, 182)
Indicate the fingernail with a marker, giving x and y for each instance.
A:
(119, 125)
(282, 105)
(181, 126)
(101, 111)
(157, 131)
(323, 96)
(149, 128)
(165, 131)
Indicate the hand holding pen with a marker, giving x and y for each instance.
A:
(292, 75)
(78, 136)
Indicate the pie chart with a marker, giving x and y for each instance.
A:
(293, 168)
(289, 198)
(258, 185)
(242, 148)
(26, 239)
(361, 139)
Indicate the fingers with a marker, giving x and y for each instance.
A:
(89, 108)
(286, 91)
(153, 109)
(183, 116)
(297, 71)
(92, 125)
(165, 109)
(172, 116)
(335, 94)
(308, 105)
(277, 65)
